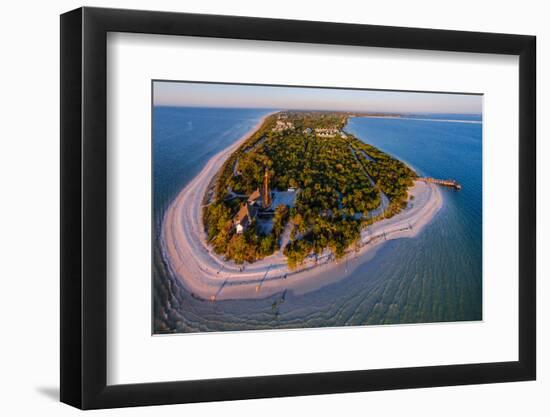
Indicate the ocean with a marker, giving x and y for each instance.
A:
(433, 277)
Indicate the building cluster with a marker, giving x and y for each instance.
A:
(329, 132)
(259, 201)
(282, 125)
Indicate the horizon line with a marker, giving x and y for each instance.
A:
(312, 110)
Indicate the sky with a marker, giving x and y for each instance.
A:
(189, 94)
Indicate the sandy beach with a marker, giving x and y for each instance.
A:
(208, 276)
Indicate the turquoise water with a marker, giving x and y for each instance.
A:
(434, 277)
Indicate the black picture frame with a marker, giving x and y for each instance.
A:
(84, 207)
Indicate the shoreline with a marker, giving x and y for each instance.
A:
(208, 276)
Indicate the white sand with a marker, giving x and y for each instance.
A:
(209, 276)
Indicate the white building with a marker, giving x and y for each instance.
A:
(281, 125)
(326, 132)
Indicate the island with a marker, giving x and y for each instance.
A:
(302, 185)
(295, 194)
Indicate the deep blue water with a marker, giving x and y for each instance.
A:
(434, 277)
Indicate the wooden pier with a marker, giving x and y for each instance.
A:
(447, 183)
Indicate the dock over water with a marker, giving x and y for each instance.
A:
(447, 183)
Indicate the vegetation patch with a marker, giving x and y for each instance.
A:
(338, 181)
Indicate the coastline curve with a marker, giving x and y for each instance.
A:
(208, 276)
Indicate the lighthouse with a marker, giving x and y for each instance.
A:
(266, 193)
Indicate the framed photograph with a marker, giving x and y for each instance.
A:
(257, 208)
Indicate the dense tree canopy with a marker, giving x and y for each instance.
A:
(339, 181)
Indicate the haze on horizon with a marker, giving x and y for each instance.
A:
(190, 94)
